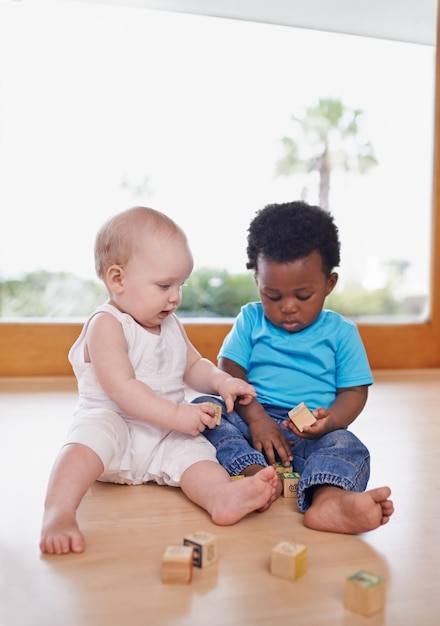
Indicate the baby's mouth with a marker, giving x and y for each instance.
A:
(289, 324)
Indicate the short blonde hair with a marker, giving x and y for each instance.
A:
(116, 239)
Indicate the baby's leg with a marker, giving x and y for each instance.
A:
(233, 443)
(351, 512)
(75, 469)
(209, 485)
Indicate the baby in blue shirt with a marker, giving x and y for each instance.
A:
(291, 349)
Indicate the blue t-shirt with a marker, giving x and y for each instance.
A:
(308, 366)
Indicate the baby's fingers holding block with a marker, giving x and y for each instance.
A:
(218, 412)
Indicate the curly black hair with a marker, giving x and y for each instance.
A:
(291, 231)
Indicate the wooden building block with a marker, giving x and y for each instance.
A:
(364, 593)
(281, 469)
(301, 416)
(177, 564)
(205, 548)
(238, 477)
(218, 412)
(288, 560)
(290, 484)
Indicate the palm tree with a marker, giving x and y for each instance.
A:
(328, 136)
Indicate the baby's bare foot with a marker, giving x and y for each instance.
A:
(60, 534)
(350, 512)
(275, 496)
(251, 470)
(241, 497)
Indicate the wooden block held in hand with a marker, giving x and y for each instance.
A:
(177, 564)
(205, 547)
(288, 560)
(301, 416)
(364, 593)
(218, 412)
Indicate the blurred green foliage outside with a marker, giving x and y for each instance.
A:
(208, 293)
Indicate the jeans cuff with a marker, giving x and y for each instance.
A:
(238, 465)
(305, 488)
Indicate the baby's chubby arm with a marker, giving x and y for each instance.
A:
(107, 349)
(203, 376)
(347, 405)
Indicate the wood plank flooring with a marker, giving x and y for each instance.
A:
(117, 581)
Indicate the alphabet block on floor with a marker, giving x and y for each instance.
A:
(301, 416)
(290, 484)
(364, 593)
(177, 564)
(288, 560)
(205, 547)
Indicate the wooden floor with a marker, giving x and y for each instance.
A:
(117, 581)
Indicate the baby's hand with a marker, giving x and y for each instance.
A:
(323, 425)
(193, 419)
(232, 389)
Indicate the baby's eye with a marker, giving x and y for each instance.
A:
(164, 286)
(303, 297)
(273, 298)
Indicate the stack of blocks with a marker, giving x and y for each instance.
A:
(199, 549)
(364, 593)
(288, 560)
(290, 480)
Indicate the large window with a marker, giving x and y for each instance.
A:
(107, 106)
(208, 120)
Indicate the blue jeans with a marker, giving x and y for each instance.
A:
(338, 458)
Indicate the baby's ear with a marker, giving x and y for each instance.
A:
(115, 278)
(331, 282)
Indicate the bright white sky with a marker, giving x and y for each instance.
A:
(95, 95)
